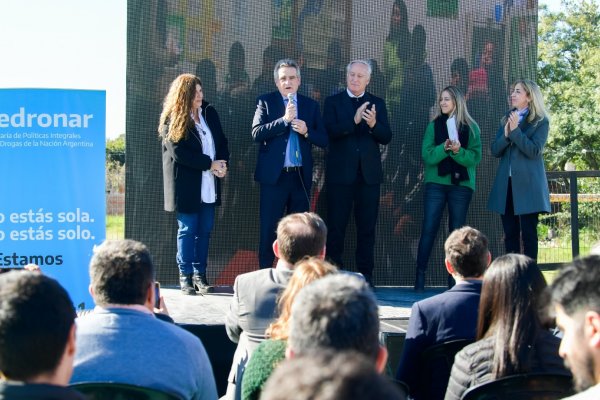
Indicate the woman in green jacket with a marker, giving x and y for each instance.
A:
(451, 150)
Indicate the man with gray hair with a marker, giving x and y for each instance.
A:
(357, 124)
(337, 312)
(122, 341)
(285, 126)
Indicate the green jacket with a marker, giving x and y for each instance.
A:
(433, 155)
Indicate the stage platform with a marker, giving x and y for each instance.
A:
(205, 315)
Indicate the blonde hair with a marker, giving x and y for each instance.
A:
(537, 109)
(306, 271)
(460, 107)
(177, 107)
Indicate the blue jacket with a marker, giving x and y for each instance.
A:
(522, 154)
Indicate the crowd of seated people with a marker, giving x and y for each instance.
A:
(323, 340)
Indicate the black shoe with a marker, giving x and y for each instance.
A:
(420, 281)
(187, 285)
(201, 283)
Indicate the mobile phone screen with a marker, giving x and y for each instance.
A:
(156, 295)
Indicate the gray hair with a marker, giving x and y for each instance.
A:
(360, 61)
(336, 312)
(286, 62)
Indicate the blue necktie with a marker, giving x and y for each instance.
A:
(295, 156)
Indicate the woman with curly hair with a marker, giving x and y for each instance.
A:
(194, 158)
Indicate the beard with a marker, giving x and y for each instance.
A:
(583, 372)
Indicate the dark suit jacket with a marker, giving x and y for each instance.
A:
(350, 148)
(183, 164)
(270, 131)
(448, 316)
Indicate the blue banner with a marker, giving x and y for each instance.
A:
(52, 158)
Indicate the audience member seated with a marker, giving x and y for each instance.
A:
(37, 338)
(329, 375)
(254, 303)
(122, 341)
(448, 316)
(575, 300)
(512, 339)
(270, 352)
(337, 312)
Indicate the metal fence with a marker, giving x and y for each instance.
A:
(573, 225)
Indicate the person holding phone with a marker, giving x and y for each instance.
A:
(520, 191)
(194, 156)
(451, 151)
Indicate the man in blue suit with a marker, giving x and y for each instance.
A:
(285, 126)
(448, 316)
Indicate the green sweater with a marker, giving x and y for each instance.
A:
(468, 157)
(260, 366)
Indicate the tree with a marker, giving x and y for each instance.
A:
(115, 164)
(568, 74)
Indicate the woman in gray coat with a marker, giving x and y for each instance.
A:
(520, 192)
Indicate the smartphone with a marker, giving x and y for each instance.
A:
(157, 295)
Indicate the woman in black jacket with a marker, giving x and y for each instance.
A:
(194, 156)
(512, 338)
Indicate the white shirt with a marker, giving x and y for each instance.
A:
(209, 194)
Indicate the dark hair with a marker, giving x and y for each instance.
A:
(336, 312)
(36, 317)
(461, 67)
(237, 55)
(206, 71)
(508, 311)
(121, 272)
(576, 287)
(300, 235)
(329, 375)
(418, 46)
(467, 250)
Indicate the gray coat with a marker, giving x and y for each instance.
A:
(253, 308)
(521, 154)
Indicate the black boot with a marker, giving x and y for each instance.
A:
(187, 286)
(201, 283)
(420, 281)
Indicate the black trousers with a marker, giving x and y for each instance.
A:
(519, 227)
(340, 201)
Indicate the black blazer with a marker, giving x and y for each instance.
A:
(351, 148)
(183, 163)
(270, 131)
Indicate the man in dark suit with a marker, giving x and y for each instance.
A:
(285, 126)
(254, 302)
(357, 123)
(448, 316)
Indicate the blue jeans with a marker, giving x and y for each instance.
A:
(193, 236)
(435, 199)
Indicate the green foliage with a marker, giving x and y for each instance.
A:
(568, 74)
(115, 149)
(115, 164)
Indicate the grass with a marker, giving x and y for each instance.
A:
(115, 226)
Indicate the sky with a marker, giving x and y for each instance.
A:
(73, 44)
(67, 44)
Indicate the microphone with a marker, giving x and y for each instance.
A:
(290, 97)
